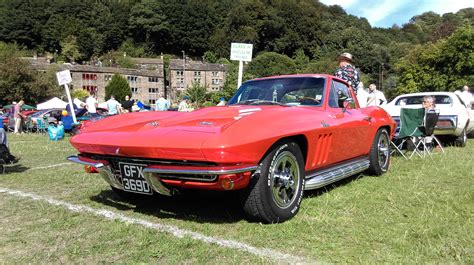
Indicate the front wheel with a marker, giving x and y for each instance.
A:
(380, 153)
(274, 195)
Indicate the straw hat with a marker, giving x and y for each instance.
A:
(345, 56)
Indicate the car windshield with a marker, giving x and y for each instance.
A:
(417, 100)
(290, 91)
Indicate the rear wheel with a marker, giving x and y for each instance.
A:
(274, 195)
(461, 139)
(380, 153)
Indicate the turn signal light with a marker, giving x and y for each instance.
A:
(90, 169)
(227, 183)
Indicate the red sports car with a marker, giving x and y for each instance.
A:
(276, 137)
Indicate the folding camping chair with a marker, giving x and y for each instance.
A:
(411, 120)
(426, 143)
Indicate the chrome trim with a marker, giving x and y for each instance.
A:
(105, 171)
(199, 172)
(191, 177)
(335, 173)
(156, 184)
(76, 159)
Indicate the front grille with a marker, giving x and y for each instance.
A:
(115, 160)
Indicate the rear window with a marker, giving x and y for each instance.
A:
(417, 100)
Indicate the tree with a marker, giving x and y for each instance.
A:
(197, 94)
(19, 81)
(271, 63)
(442, 66)
(118, 87)
(69, 48)
(79, 94)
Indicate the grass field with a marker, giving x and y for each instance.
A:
(421, 211)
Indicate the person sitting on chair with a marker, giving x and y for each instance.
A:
(428, 103)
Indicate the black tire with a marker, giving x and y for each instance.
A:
(461, 139)
(274, 195)
(379, 153)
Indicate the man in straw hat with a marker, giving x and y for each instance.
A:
(346, 71)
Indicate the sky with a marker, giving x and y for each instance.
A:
(385, 13)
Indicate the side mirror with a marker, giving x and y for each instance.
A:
(349, 103)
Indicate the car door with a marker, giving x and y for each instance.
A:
(350, 125)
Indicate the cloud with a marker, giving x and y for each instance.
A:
(385, 13)
(383, 9)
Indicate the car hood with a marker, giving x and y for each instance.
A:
(164, 134)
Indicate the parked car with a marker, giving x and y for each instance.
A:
(276, 137)
(83, 117)
(52, 115)
(455, 120)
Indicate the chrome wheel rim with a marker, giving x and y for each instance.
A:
(383, 151)
(285, 176)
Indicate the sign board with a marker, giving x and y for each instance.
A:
(241, 52)
(64, 77)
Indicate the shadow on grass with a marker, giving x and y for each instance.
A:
(190, 205)
(15, 168)
(194, 205)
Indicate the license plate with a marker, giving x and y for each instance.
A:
(133, 179)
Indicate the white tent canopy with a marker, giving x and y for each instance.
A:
(54, 103)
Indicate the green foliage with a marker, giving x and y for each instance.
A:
(210, 57)
(117, 87)
(271, 63)
(19, 81)
(79, 94)
(197, 94)
(442, 66)
(69, 48)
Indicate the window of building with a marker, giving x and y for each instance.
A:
(151, 101)
(87, 76)
(132, 78)
(197, 73)
(214, 73)
(91, 89)
(107, 77)
(153, 79)
(197, 80)
(179, 73)
(134, 90)
(152, 90)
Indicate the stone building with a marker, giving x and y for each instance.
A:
(145, 85)
(146, 82)
(182, 76)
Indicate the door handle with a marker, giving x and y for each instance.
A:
(368, 118)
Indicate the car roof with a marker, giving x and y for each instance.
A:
(434, 93)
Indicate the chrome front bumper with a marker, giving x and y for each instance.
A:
(152, 173)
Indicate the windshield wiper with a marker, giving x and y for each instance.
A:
(259, 102)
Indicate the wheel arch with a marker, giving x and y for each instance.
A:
(299, 139)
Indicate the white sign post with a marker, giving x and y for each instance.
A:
(241, 52)
(64, 78)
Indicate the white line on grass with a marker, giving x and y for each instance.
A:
(50, 166)
(177, 232)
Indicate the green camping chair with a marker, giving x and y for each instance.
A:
(428, 141)
(411, 122)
